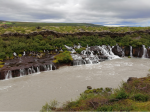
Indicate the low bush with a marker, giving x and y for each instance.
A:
(64, 57)
(80, 50)
(141, 97)
(121, 94)
(1, 66)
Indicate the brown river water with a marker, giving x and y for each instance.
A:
(30, 93)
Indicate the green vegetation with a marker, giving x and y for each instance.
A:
(1, 63)
(79, 50)
(38, 43)
(131, 96)
(50, 106)
(64, 57)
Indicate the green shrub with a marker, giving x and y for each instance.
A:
(105, 108)
(64, 57)
(121, 94)
(1, 62)
(2, 55)
(1, 66)
(80, 50)
(140, 97)
(40, 37)
(20, 55)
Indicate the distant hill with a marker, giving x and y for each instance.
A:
(28, 24)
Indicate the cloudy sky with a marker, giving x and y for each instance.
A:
(104, 12)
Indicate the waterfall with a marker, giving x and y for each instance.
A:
(22, 72)
(48, 67)
(24, 53)
(33, 71)
(70, 49)
(29, 71)
(131, 51)
(8, 75)
(83, 52)
(78, 62)
(45, 68)
(119, 49)
(38, 70)
(144, 52)
(108, 52)
(14, 54)
(51, 67)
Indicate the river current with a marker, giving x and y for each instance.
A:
(30, 93)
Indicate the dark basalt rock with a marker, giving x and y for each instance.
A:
(89, 87)
(25, 63)
(127, 51)
(102, 57)
(148, 52)
(137, 51)
(117, 50)
(131, 79)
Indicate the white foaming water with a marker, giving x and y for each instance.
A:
(90, 58)
(108, 52)
(51, 67)
(22, 72)
(144, 52)
(131, 51)
(29, 71)
(70, 49)
(38, 70)
(8, 75)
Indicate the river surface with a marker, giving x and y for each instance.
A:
(30, 93)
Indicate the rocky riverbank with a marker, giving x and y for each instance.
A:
(36, 62)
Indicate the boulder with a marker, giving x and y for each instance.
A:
(131, 79)
(118, 51)
(89, 87)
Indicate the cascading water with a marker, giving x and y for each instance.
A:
(38, 70)
(119, 49)
(29, 71)
(22, 72)
(8, 75)
(14, 54)
(70, 49)
(144, 52)
(45, 68)
(33, 71)
(48, 67)
(131, 51)
(24, 53)
(107, 52)
(51, 67)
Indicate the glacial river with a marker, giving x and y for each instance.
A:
(30, 93)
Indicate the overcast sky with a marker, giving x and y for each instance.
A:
(104, 12)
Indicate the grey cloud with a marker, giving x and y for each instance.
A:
(93, 11)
